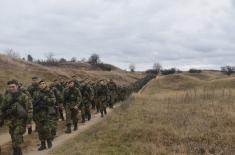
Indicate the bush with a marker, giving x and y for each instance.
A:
(168, 71)
(228, 70)
(195, 71)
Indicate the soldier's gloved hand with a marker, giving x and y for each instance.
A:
(75, 108)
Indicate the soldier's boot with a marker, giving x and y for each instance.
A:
(68, 129)
(49, 143)
(30, 130)
(14, 151)
(43, 146)
(105, 112)
(53, 134)
(93, 106)
(17, 151)
(89, 116)
(83, 118)
(102, 114)
(111, 105)
(61, 115)
(75, 126)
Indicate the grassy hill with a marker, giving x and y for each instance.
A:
(173, 115)
(23, 71)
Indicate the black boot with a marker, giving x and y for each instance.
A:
(49, 143)
(102, 114)
(53, 134)
(17, 151)
(14, 151)
(43, 146)
(89, 116)
(83, 118)
(75, 126)
(68, 129)
(30, 130)
(105, 112)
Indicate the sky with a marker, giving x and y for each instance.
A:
(175, 33)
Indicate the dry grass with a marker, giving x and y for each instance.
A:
(23, 71)
(196, 116)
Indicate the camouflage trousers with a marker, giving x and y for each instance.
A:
(71, 115)
(17, 128)
(86, 110)
(44, 129)
(53, 125)
(102, 104)
(97, 105)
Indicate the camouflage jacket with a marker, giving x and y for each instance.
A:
(43, 103)
(101, 92)
(72, 97)
(31, 89)
(87, 93)
(58, 95)
(15, 107)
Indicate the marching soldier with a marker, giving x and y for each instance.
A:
(72, 101)
(16, 112)
(102, 95)
(44, 102)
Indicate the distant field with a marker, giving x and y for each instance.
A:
(191, 114)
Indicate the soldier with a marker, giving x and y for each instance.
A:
(72, 101)
(87, 97)
(16, 111)
(112, 92)
(93, 94)
(44, 102)
(76, 81)
(58, 90)
(26, 92)
(95, 100)
(31, 89)
(102, 95)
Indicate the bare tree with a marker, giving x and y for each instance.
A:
(157, 67)
(132, 67)
(94, 59)
(228, 70)
(50, 56)
(73, 59)
(11, 53)
(30, 58)
(62, 60)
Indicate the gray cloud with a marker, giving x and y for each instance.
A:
(180, 33)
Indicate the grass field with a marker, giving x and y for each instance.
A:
(180, 114)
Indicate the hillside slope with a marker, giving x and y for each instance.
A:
(23, 71)
(184, 114)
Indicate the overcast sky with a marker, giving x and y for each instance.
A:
(176, 33)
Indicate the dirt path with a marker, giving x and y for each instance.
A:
(59, 141)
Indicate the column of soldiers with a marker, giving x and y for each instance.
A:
(44, 104)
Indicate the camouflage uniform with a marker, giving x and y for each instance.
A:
(44, 102)
(72, 101)
(102, 95)
(16, 111)
(59, 99)
(87, 97)
(112, 93)
(95, 100)
(32, 89)
(55, 116)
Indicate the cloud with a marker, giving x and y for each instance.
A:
(180, 33)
